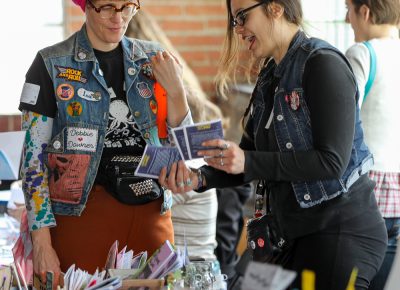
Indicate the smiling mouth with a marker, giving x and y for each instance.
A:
(250, 39)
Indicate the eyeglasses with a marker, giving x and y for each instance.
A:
(108, 11)
(240, 17)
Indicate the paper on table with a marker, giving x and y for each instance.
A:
(263, 276)
(10, 154)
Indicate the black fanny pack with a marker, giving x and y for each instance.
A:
(117, 174)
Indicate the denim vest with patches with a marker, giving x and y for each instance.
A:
(292, 123)
(83, 99)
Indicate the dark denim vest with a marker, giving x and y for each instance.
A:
(293, 125)
(83, 101)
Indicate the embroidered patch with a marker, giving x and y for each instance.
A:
(89, 95)
(82, 139)
(30, 93)
(153, 106)
(147, 70)
(74, 109)
(293, 100)
(68, 174)
(70, 74)
(65, 92)
(144, 90)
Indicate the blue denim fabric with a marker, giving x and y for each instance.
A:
(293, 126)
(393, 231)
(76, 56)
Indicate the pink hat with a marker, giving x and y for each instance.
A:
(81, 3)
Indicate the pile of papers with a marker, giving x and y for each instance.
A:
(77, 279)
(165, 260)
(188, 140)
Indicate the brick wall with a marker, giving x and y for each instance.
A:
(10, 123)
(195, 28)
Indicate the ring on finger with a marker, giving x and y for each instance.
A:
(188, 182)
(221, 162)
(225, 146)
(180, 184)
(221, 153)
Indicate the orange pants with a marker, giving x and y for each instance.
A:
(85, 240)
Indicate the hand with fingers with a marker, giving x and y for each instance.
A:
(169, 73)
(226, 156)
(45, 258)
(179, 179)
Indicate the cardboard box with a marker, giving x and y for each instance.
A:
(151, 284)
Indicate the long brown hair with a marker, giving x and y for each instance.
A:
(293, 13)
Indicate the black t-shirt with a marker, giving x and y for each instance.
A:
(122, 135)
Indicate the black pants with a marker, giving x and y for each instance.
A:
(333, 252)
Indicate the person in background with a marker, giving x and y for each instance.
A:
(193, 215)
(303, 138)
(86, 100)
(230, 223)
(376, 22)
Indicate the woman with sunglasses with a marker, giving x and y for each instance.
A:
(85, 101)
(303, 138)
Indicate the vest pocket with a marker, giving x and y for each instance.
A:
(67, 176)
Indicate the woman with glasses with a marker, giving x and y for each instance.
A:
(91, 103)
(303, 139)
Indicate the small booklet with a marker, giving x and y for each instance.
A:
(155, 158)
(198, 133)
(188, 140)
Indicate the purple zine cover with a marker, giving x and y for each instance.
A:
(155, 158)
(179, 136)
(200, 132)
(157, 262)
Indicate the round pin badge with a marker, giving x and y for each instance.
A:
(65, 92)
(74, 109)
(57, 145)
(153, 106)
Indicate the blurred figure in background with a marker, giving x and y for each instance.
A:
(375, 61)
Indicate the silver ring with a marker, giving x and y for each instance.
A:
(180, 184)
(226, 146)
(221, 153)
(222, 162)
(188, 182)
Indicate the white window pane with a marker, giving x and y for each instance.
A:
(37, 25)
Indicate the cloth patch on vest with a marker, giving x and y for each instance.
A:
(30, 93)
(68, 174)
(70, 74)
(144, 90)
(82, 139)
(74, 109)
(65, 92)
(89, 95)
